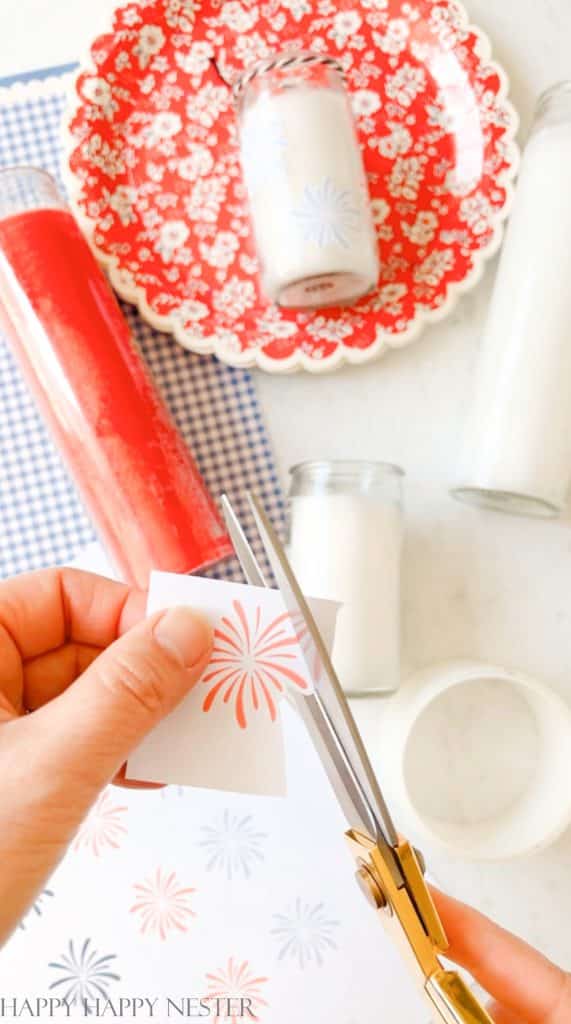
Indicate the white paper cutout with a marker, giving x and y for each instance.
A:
(227, 733)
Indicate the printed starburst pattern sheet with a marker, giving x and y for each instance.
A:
(156, 174)
(195, 894)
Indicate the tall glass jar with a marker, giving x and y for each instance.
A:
(517, 449)
(306, 183)
(345, 544)
(129, 462)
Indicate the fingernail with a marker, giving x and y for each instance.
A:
(185, 634)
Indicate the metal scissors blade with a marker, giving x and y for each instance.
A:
(309, 707)
(326, 713)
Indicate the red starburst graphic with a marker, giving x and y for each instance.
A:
(162, 904)
(103, 826)
(252, 663)
(234, 993)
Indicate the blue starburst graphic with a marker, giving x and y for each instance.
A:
(84, 974)
(306, 934)
(233, 845)
(328, 215)
(37, 908)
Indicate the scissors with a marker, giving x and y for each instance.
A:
(389, 871)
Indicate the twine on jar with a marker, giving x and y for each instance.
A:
(281, 61)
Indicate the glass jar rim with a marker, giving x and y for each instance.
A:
(27, 169)
(563, 86)
(348, 466)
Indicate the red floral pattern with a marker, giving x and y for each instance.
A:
(157, 177)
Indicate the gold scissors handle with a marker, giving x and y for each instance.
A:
(409, 916)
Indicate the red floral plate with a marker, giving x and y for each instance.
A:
(157, 183)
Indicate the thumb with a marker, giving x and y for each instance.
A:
(90, 730)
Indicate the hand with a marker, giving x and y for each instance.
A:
(77, 653)
(526, 987)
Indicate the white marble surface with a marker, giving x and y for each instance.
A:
(475, 584)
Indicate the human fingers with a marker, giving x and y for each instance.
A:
(54, 762)
(521, 980)
(60, 615)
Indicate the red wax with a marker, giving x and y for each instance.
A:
(135, 474)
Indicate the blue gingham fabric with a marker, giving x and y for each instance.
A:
(42, 521)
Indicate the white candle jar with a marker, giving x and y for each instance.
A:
(345, 544)
(517, 449)
(306, 183)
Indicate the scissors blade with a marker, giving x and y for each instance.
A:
(329, 689)
(246, 557)
(310, 708)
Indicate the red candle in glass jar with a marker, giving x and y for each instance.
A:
(131, 466)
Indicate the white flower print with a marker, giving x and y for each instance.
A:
(130, 17)
(398, 142)
(345, 25)
(164, 126)
(222, 252)
(237, 17)
(375, 5)
(251, 48)
(151, 40)
(405, 85)
(180, 14)
(197, 164)
(235, 298)
(448, 25)
(298, 8)
(228, 341)
(196, 61)
(477, 212)
(206, 105)
(388, 299)
(205, 199)
(395, 39)
(100, 154)
(423, 230)
(406, 177)
(328, 215)
(328, 329)
(191, 311)
(434, 267)
(173, 235)
(380, 210)
(121, 200)
(275, 326)
(365, 102)
(99, 92)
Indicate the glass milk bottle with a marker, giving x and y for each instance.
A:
(517, 449)
(345, 544)
(306, 183)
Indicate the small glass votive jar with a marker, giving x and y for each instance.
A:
(307, 188)
(516, 454)
(346, 532)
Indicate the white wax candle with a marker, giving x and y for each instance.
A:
(309, 198)
(347, 548)
(518, 442)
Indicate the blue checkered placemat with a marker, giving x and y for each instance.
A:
(42, 521)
